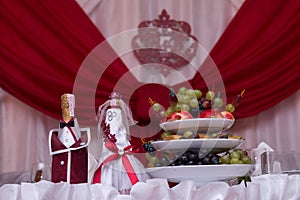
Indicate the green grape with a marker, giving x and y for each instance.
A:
(177, 107)
(156, 107)
(230, 108)
(169, 111)
(165, 134)
(240, 151)
(218, 102)
(240, 162)
(194, 103)
(148, 156)
(198, 94)
(187, 134)
(185, 107)
(151, 159)
(214, 135)
(235, 155)
(234, 161)
(210, 95)
(186, 99)
(190, 93)
(182, 90)
(169, 155)
(180, 98)
(246, 159)
(225, 159)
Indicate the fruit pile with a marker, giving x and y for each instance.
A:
(190, 103)
(191, 135)
(192, 157)
(236, 156)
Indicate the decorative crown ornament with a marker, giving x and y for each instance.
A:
(164, 41)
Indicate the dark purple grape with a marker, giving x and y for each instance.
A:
(191, 162)
(172, 98)
(195, 112)
(205, 161)
(224, 136)
(171, 162)
(196, 136)
(188, 152)
(193, 156)
(237, 100)
(206, 104)
(184, 158)
(215, 160)
(200, 107)
(178, 162)
(199, 162)
(202, 99)
(210, 155)
(177, 157)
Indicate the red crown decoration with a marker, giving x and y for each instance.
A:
(165, 41)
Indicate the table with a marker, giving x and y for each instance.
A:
(266, 187)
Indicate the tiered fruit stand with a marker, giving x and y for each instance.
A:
(201, 173)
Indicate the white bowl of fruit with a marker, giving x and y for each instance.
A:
(199, 167)
(191, 110)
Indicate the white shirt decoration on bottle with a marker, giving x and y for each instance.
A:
(69, 135)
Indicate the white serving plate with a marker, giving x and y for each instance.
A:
(215, 145)
(204, 125)
(201, 174)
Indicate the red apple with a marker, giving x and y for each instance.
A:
(180, 115)
(211, 113)
(227, 115)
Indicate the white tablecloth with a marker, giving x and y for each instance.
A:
(14, 177)
(266, 187)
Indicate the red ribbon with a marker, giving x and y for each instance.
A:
(117, 154)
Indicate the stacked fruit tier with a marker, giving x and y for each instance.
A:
(194, 145)
(202, 160)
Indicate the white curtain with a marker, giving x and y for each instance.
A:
(278, 126)
(118, 22)
(24, 131)
(24, 135)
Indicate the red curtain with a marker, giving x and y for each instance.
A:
(43, 44)
(259, 52)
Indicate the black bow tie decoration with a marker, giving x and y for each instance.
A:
(69, 124)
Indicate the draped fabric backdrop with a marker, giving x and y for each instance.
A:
(44, 55)
(45, 43)
(23, 135)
